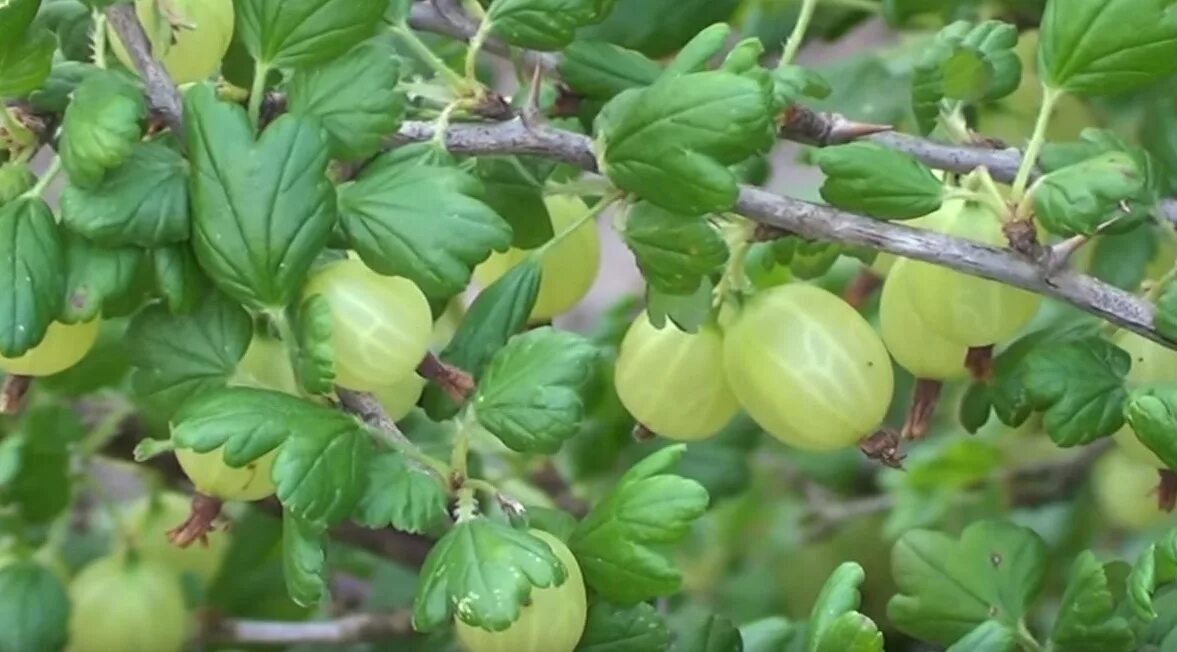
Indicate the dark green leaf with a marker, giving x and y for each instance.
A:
(544, 24)
(697, 54)
(1156, 566)
(482, 571)
(975, 406)
(15, 18)
(71, 21)
(15, 180)
(400, 495)
(517, 194)
(101, 127)
(56, 91)
(672, 141)
(658, 28)
(354, 97)
(299, 33)
(1086, 619)
(613, 628)
(1104, 47)
(143, 202)
(1080, 387)
(34, 608)
(601, 70)
(26, 62)
(793, 83)
(711, 634)
(179, 277)
(261, 212)
(177, 357)
(303, 559)
(881, 182)
(33, 274)
(316, 357)
(968, 62)
(1079, 198)
(686, 311)
(41, 489)
(1152, 413)
(674, 252)
(529, 395)
(948, 586)
(400, 216)
(990, 636)
(621, 544)
(94, 275)
(1122, 259)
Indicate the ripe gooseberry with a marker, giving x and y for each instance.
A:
(63, 346)
(129, 604)
(190, 37)
(213, 477)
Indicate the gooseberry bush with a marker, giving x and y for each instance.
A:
(297, 353)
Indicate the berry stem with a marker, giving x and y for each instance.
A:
(422, 52)
(798, 35)
(257, 92)
(12, 393)
(1050, 96)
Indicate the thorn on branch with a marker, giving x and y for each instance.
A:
(13, 391)
(201, 520)
(457, 384)
(530, 113)
(803, 125)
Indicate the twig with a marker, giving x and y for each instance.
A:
(356, 628)
(162, 95)
(426, 17)
(13, 390)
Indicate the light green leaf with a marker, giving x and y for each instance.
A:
(686, 311)
(1155, 567)
(303, 560)
(1106, 47)
(671, 144)
(990, 636)
(401, 495)
(696, 55)
(300, 33)
(1079, 198)
(177, 357)
(354, 97)
(711, 634)
(26, 62)
(316, 357)
(544, 24)
(248, 422)
(613, 628)
(1086, 619)
(94, 275)
(15, 180)
(834, 623)
(400, 216)
(770, 634)
(1080, 387)
(949, 586)
(516, 193)
(33, 274)
(674, 252)
(101, 127)
(143, 202)
(601, 70)
(261, 212)
(529, 396)
(1152, 413)
(621, 544)
(658, 28)
(482, 571)
(179, 277)
(881, 182)
(55, 93)
(34, 608)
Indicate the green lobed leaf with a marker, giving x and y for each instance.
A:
(1155, 567)
(711, 634)
(354, 97)
(1079, 198)
(601, 70)
(401, 495)
(621, 544)
(968, 62)
(672, 142)
(770, 634)
(101, 127)
(544, 24)
(482, 571)
(851, 632)
(516, 193)
(94, 275)
(1152, 414)
(989, 636)
(179, 278)
(15, 180)
(315, 366)
(950, 586)
(41, 489)
(177, 357)
(881, 182)
(300, 33)
(15, 18)
(1105, 47)
(1093, 142)
(1080, 387)
(1008, 394)
(33, 274)
(25, 63)
(1086, 619)
(34, 608)
(303, 560)
(687, 312)
(400, 216)
(614, 628)
(1122, 259)
(674, 252)
(658, 28)
(529, 396)
(840, 597)
(54, 94)
(261, 211)
(793, 83)
(71, 21)
(142, 202)
(697, 54)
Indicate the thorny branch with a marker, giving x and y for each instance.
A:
(356, 628)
